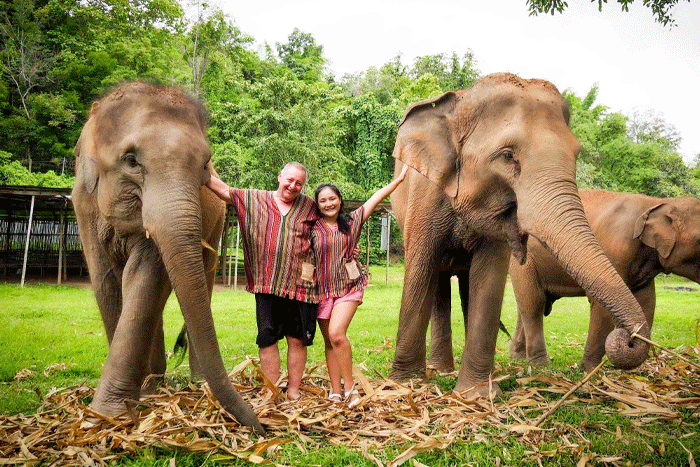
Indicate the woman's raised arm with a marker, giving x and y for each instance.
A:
(372, 203)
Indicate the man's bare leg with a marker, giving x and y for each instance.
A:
(296, 363)
(270, 362)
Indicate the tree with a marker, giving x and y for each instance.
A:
(661, 9)
(620, 153)
(453, 73)
(24, 59)
(303, 56)
(210, 37)
(277, 120)
(649, 126)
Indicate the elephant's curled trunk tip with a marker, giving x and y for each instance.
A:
(624, 351)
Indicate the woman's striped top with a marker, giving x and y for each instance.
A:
(275, 246)
(333, 249)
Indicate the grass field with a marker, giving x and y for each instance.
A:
(53, 336)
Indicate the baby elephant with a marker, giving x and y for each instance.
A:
(643, 236)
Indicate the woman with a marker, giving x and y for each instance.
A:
(340, 279)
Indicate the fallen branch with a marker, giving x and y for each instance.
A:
(571, 391)
(680, 357)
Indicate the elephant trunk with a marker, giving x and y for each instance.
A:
(563, 228)
(176, 229)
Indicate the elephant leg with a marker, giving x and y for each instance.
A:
(601, 324)
(517, 342)
(196, 371)
(528, 341)
(145, 290)
(158, 359)
(105, 276)
(417, 302)
(463, 280)
(487, 281)
(441, 355)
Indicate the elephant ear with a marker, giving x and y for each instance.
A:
(655, 229)
(426, 141)
(86, 163)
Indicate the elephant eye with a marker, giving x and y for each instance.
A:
(130, 159)
(508, 155)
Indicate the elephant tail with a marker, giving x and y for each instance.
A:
(180, 348)
(503, 328)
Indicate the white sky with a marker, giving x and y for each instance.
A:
(637, 63)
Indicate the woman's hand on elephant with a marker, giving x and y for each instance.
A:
(382, 193)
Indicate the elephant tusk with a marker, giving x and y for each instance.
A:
(148, 234)
(216, 255)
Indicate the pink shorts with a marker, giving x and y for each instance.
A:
(326, 305)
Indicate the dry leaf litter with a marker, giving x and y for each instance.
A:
(416, 415)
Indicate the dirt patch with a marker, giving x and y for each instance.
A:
(681, 289)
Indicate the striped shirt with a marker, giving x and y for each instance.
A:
(275, 246)
(333, 249)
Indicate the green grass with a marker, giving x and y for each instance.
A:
(45, 325)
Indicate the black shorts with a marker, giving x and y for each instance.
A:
(280, 316)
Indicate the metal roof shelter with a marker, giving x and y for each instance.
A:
(38, 232)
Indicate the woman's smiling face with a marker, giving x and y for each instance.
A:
(328, 203)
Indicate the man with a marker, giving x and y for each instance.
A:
(275, 227)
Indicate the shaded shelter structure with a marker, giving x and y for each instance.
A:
(38, 233)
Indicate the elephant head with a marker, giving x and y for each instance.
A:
(142, 159)
(505, 157)
(672, 228)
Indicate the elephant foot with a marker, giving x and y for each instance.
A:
(588, 365)
(479, 391)
(518, 354)
(441, 367)
(114, 409)
(591, 358)
(405, 375)
(542, 360)
(150, 384)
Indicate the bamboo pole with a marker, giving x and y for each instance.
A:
(571, 391)
(388, 242)
(235, 272)
(650, 342)
(26, 245)
(60, 250)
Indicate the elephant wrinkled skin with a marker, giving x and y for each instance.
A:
(143, 216)
(493, 163)
(643, 236)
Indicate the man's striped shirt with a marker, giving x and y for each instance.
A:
(275, 246)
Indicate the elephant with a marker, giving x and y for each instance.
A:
(492, 165)
(144, 218)
(642, 236)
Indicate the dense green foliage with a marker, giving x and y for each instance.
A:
(267, 105)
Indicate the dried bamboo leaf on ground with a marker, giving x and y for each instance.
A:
(416, 416)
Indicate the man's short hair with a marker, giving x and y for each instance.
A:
(296, 165)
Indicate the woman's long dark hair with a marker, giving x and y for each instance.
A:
(343, 217)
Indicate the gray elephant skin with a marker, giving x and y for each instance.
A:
(643, 236)
(493, 164)
(144, 218)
